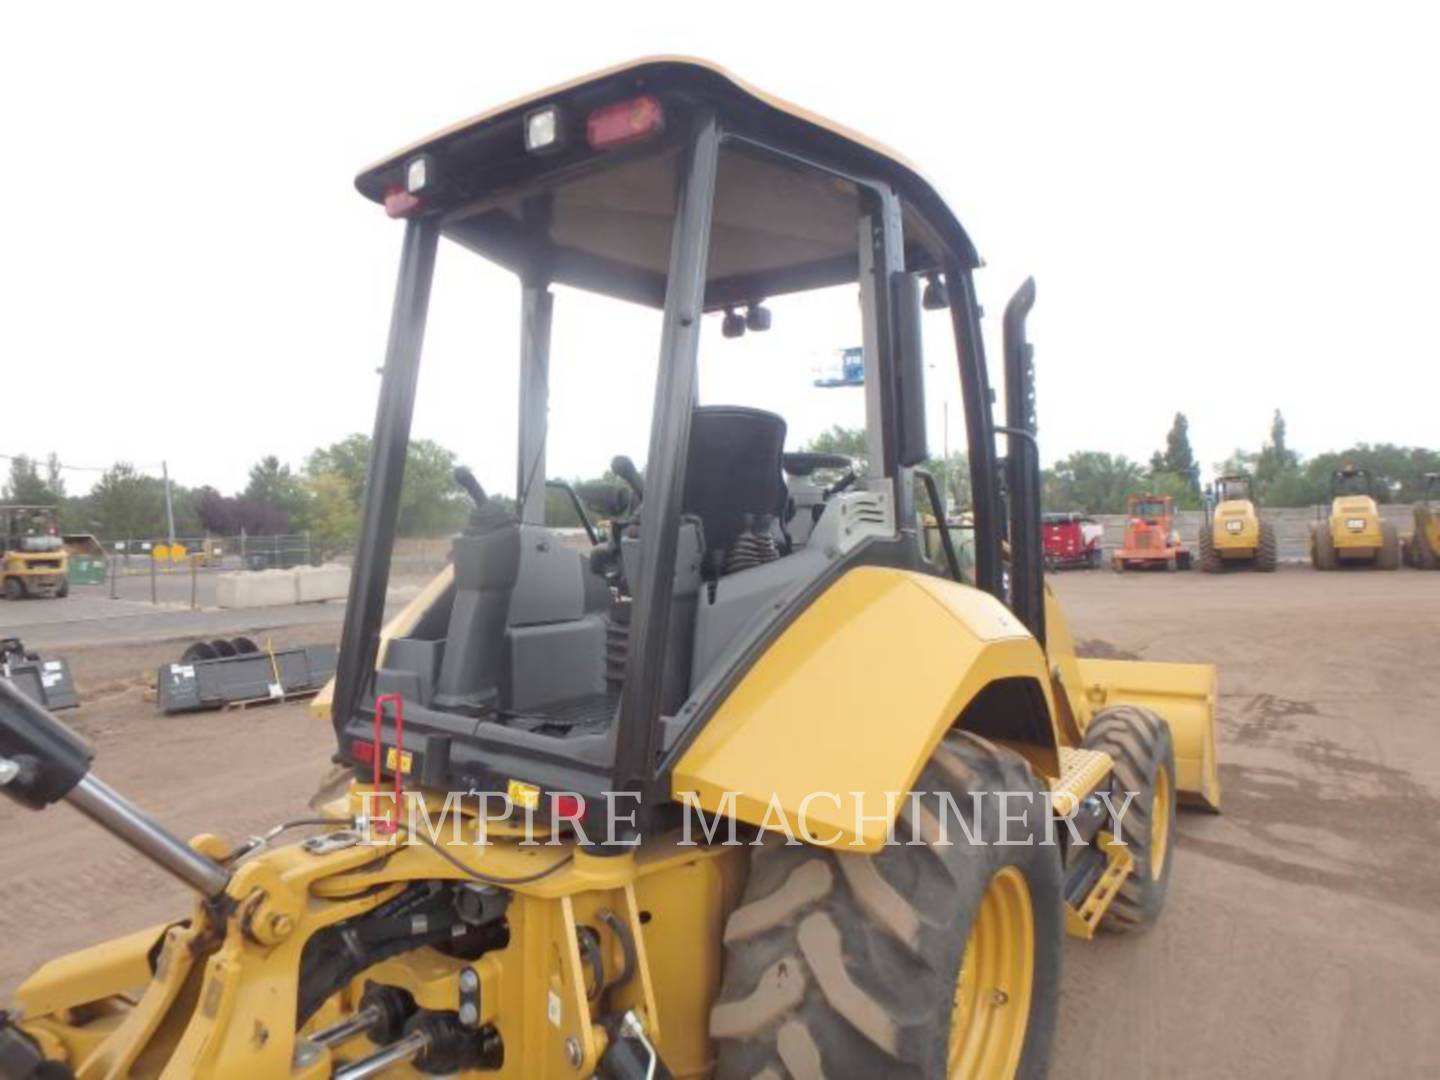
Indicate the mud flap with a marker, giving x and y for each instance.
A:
(1184, 694)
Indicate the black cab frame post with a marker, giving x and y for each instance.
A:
(365, 607)
(537, 310)
(637, 741)
(979, 429)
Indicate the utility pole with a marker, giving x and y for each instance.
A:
(169, 505)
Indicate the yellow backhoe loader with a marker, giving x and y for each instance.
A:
(565, 850)
(1353, 533)
(1233, 533)
(1422, 548)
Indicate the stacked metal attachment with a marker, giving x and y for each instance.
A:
(45, 682)
(221, 673)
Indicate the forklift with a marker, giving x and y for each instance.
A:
(33, 560)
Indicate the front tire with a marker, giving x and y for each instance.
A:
(926, 960)
(15, 589)
(1141, 746)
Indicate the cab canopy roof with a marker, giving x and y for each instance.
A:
(599, 217)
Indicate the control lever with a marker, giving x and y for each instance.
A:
(466, 479)
(624, 468)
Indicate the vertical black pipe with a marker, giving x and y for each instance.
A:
(371, 573)
(638, 729)
(979, 430)
(1022, 466)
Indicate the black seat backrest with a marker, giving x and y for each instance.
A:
(733, 469)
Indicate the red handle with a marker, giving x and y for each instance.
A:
(393, 819)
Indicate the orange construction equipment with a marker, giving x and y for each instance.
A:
(1151, 539)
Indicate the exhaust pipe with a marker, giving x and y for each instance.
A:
(43, 761)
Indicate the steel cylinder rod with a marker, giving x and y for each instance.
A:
(118, 815)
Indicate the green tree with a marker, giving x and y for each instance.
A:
(331, 515)
(1398, 471)
(125, 503)
(840, 440)
(1178, 457)
(348, 459)
(27, 487)
(1177, 487)
(952, 477)
(274, 487)
(1091, 481)
(431, 503)
(1275, 458)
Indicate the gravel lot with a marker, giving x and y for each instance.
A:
(1301, 936)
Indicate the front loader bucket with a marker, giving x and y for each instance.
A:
(1184, 694)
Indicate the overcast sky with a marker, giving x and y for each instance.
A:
(1226, 210)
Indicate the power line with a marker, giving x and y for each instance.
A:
(39, 461)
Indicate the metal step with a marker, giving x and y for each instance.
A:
(1081, 919)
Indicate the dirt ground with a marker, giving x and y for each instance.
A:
(1300, 937)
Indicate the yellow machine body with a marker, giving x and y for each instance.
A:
(41, 573)
(907, 652)
(1354, 525)
(1422, 547)
(886, 660)
(1235, 529)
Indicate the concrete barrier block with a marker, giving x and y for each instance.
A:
(256, 588)
(316, 583)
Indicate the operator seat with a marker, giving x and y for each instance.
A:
(733, 469)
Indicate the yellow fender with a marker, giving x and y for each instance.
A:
(851, 700)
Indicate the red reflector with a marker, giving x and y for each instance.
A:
(625, 122)
(399, 203)
(567, 805)
(362, 750)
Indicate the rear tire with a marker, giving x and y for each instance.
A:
(1139, 743)
(1388, 557)
(840, 964)
(1425, 556)
(1267, 554)
(1210, 561)
(64, 589)
(1322, 547)
(15, 589)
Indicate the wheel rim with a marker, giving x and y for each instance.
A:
(992, 992)
(1159, 823)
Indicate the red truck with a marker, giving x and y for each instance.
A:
(1072, 539)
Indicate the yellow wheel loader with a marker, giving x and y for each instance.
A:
(1422, 548)
(1233, 533)
(751, 788)
(1354, 534)
(33, 561)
